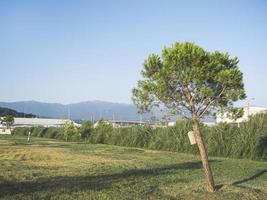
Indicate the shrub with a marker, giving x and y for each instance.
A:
(101, 133)
(86, 129)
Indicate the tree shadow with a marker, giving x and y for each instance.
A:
(83, 183)
(260, 173)
(40, 145)
(261, 148)
(218, 187)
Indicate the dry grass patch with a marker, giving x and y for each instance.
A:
(47, 169)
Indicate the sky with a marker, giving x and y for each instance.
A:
(71, 51)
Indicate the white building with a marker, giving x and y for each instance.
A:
(3, 129)
(172, 123)
(35, 122)
(206, 123)
(248, 111)
(122, 123)
(38, 122)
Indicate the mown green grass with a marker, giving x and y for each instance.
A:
(51, 169)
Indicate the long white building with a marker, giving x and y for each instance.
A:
(38, 122)
(35, 122)
(121, 123)
(248, 111)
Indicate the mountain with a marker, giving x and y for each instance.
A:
(82, 110)
(85, 110)
(7, 111)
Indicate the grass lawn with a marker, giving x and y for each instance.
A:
(50, 169)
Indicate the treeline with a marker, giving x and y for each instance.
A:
(248, 140)
(7, 111)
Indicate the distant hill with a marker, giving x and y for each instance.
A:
(82, 110)
(7, 111)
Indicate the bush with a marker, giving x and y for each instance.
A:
(70, 131)
(86, 129)
(101, 133)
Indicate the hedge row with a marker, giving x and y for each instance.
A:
(51, 132)
(249, 140)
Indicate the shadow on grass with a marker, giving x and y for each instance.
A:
(39, 144)
(83, 183)
(260, 173)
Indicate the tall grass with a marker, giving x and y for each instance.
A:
(51, 132)
(248, 140)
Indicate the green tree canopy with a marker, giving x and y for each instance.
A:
(186, 77)
(8, 121)
(69, 129)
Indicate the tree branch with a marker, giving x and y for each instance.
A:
(209, 104)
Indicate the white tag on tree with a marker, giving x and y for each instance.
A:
(191, 137)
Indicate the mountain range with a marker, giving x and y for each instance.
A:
(88, 110)
(82, 110)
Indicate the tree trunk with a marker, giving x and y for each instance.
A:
(204, 157)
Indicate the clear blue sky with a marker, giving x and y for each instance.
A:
(71, 51)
